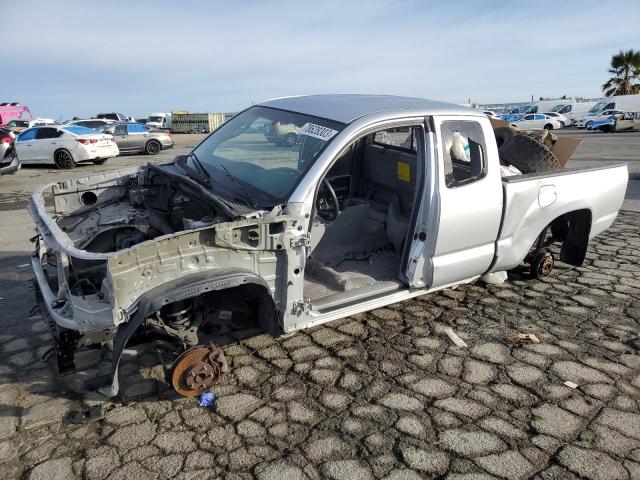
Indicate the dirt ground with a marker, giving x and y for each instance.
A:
(384, 394)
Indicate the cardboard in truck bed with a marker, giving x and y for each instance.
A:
(563, 148)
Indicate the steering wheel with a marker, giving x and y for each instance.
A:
(327, 202)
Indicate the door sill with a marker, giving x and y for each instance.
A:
(365, 292)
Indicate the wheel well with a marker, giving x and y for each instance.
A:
(187, 289)
(253, 297)
(573, 230)
(548, 126)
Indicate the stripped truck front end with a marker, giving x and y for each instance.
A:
(119, 247)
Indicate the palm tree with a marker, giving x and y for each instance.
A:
(625, 68)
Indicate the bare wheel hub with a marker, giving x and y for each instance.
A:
(198, 369)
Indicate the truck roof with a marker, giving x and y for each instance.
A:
(346, 108)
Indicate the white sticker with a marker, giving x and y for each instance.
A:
(317, 131)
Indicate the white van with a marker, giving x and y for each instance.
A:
(159, 120)
(573, 110)
(622, 103)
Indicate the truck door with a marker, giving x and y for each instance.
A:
(470, 197)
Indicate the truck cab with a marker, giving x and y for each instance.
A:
(159, 120)
(379, 200)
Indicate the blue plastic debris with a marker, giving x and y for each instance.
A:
(207, 399)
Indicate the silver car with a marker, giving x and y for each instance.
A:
(138, 138)
(9, 163)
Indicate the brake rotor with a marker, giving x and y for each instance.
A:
(197, 369)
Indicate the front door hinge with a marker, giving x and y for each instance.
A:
(301, 306)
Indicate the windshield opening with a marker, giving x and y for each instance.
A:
(265, 151)
(597, 107)
(155, 119)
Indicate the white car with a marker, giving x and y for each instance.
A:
(64, 146)
(491, 114)
(584, 120)
(537, 121)
(563, 119)
(92, 123)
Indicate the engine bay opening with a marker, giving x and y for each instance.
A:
(151, 204)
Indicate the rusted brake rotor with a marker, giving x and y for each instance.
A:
(198, 369)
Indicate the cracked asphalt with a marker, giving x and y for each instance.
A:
(384, 394)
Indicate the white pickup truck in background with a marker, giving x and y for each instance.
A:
(379, 199)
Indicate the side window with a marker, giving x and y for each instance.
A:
(463, 152)
(627, 116)
(534, 109)
(120, 130)
(528, 117)
(402, 138)
(47, 132)
(609, 106)
(136, 128)
(27, 135)
(637, 115)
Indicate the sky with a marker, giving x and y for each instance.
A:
(69, 58)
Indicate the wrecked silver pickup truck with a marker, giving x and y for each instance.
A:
(379, 199)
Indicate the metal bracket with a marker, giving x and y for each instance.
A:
(303, 240)
(301, 306)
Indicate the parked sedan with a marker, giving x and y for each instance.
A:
(8, 159)
(606, 124)
(64, 146)
(137, 138)
(585, 121)
(536, 121)
(92, 123)
(564, 121)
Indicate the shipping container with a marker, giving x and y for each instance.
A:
(196, 122)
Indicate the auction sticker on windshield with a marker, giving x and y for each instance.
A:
(317, 131)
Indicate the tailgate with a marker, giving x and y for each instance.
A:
(531, 202)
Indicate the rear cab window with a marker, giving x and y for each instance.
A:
(396, 138)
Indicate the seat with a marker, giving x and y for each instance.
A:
(397, 225)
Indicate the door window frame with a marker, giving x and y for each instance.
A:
(439, 121)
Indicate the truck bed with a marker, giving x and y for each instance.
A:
(533, 201)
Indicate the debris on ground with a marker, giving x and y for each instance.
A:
(455, 338)
(570, 384)
(518, 338)
(76, 417)
(207, 399)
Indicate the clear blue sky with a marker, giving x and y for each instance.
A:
(66, 58)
